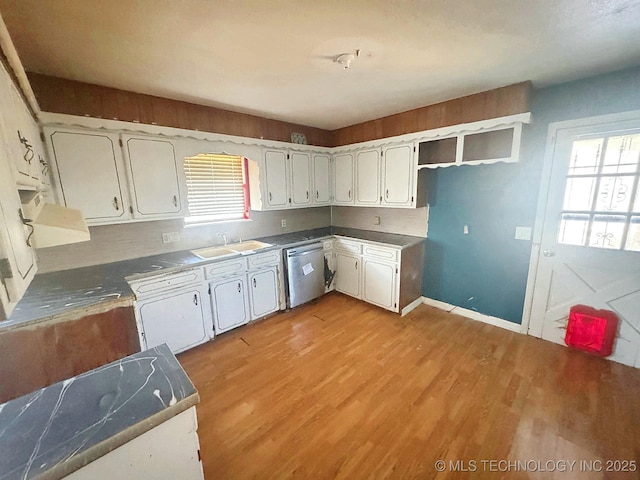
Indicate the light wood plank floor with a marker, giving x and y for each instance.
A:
(341, 389)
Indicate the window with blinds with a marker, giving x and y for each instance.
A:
(217, 188)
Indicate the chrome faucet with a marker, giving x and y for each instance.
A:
(223, 236)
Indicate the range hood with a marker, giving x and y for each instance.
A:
(52, 224)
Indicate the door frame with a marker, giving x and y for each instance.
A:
(554, 129)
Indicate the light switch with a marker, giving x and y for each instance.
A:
(465, 229)
(523, 233)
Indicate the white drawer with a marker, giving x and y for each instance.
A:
(228, 267)
(382, 253)
(158, 283)
(265, 259)
(327, 245)
(348, 246)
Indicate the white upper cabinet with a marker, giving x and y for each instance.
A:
(368, 177)
(154, 177)
(300, 178)
(398, 173)
(343, 179)
(321, 179)
(90, 174)
(276, 173)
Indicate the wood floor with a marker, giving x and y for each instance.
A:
(341, 389)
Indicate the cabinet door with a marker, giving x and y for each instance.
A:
(328, 257)
(379, 283)
(321, 176)
(348, 274)
(368, 177)
(177, 319)
(343, 179)
(230, 303)
(300, 178)
(398, 174)
(17, 259)
(263, 286)
(88, 167)
(155, 183)
(276, 175)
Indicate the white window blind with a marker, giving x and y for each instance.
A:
(216, 188)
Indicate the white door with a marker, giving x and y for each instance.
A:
(321, 182)
(398, 173)
(379, 283)
(230, 303)
(177, 319)
(276, 178)
(300, 178)
(590, 236)
(88, 168)
(348, 274)
(328, 257)
(154, 176)
(263, 286)
(368, 177)
(343, 179)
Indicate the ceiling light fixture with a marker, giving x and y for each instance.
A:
(346, 58)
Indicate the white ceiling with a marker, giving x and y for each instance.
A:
(275, 58)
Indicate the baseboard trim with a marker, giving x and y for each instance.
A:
(495, 321)
(418, 301)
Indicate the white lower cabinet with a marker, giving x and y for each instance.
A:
(263, 290)
(348, 274)
(230, 303)
(181, 319)
(379, 283)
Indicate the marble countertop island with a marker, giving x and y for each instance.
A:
(56, 430)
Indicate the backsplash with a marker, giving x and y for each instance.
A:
(112, 243)
(406, 221)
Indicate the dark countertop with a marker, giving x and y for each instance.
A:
(82, 291)
(58, 429)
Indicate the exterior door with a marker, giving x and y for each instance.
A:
(154, 176)
(590, 237)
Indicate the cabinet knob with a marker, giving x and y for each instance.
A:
(195, 298)
(254, 282)
(239, 287)
(116, 205)
(175, 201)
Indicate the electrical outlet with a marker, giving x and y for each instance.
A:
(376, 220)
(283, 222)
(171, 237)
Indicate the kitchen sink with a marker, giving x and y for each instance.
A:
(243, 248)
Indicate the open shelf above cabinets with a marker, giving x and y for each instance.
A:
(500, 144)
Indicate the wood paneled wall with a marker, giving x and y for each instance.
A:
(480, 106)
(38, 356)
(77, 98)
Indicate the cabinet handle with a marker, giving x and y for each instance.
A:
(349, 193)
(239, 288)
(115, 203)
(270, 197)
(175, 201)
(195, 298)
(254, 282)
(307, 194)
(387, 193)
(317, 194)
(356, 264)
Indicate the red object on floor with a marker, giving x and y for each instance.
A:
(591, 330)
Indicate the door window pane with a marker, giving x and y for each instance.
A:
(614, 194)
(622, 154)
(585, 156)
(573, 229)
(607, 231)
(578, 194)
(633, 237)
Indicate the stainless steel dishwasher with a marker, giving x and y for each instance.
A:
(305, 273)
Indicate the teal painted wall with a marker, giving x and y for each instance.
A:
(486, 270)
